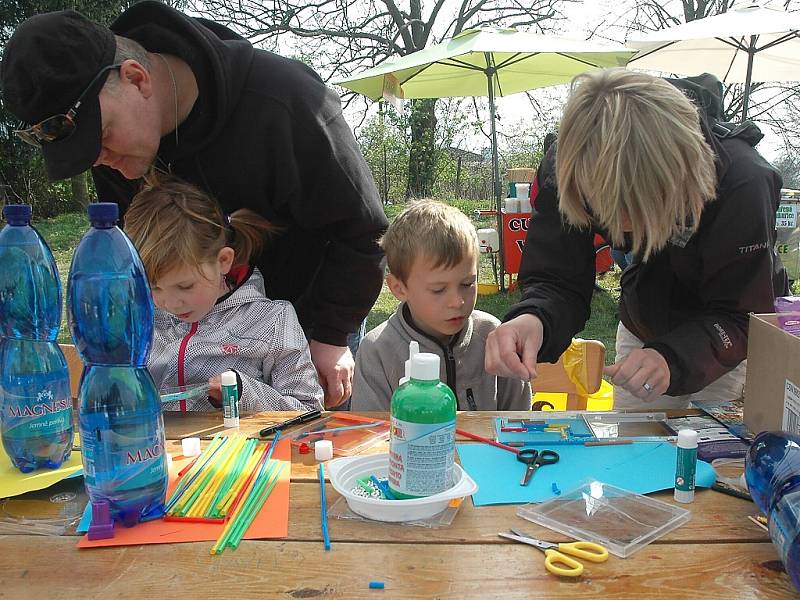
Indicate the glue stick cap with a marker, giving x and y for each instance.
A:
(425, 366)
(228, 378)
(687, 438)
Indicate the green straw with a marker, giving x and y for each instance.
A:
(250, 517)
(189, 478)
(258, 485)
(205, 479)
(232, 476)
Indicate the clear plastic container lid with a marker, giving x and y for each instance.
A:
(622, 521)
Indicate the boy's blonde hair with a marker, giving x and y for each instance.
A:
(432, 229)
(631, 145)
(174, 224)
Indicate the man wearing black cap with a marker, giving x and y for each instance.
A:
(251, 128)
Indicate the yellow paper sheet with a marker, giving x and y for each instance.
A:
(13, 482)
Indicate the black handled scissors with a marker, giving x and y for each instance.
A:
(534, 459)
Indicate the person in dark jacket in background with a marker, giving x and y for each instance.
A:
(637, 162)
(246, 126)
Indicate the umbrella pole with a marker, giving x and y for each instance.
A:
(748, 77)
(496, 175)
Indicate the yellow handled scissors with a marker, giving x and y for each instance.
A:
(556, 560)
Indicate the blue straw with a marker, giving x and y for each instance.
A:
(323, 510)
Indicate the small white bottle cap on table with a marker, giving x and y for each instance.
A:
(323, 450)
(191, 446)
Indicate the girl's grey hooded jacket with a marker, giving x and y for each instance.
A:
(380, 363)
(247, 332)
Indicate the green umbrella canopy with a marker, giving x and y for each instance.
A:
(459, 66)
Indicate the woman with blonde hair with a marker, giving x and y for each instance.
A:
(212, 315)
(638, 162)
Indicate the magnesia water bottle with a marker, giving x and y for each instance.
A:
(772, 472)
(34, 378)
(422, 442)
(110, 313)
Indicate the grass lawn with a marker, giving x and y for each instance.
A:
(63, 233)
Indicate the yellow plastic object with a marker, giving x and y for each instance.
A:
(574, 361)
(488, 289)
(602, 399)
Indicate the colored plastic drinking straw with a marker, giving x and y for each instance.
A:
(197, 494)
(212, 449)
(478, 438)
(326, 540)
(254, 508)
(258, 486)
(239, 519)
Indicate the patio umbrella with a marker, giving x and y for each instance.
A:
(739, 46)
(486, 62)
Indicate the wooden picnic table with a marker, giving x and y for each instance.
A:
(719, 553)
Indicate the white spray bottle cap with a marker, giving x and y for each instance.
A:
(425, 367)
(228, 378)
(413, 350)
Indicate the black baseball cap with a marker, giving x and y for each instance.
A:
(49, 61)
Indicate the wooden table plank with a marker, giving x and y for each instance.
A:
(179, 425)
(305, 570)
(714, 517)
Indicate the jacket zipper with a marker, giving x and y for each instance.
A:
(182, 359)
(447, 352)
(450, 366)
(471, 400)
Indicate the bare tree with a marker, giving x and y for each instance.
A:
(343, 37)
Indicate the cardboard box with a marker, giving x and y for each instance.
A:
(521, 175)
(772, 389)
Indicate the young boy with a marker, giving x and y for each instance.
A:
(432, 252)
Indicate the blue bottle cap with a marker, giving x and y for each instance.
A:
(103, 214)
(17, 214)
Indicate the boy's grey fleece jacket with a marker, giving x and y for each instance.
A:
(381, 357)
(247, 332)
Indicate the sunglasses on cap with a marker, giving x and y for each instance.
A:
(59, 127)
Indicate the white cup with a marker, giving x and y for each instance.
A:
(512, 205)
(523, 191)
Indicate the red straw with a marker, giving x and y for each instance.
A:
(478, 438)
(183, 471)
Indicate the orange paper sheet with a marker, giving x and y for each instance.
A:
(272, 520)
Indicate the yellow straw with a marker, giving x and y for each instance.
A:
(200, 483)
(224, 506)
(218, 473)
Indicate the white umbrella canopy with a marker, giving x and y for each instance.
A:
(747, 44)
(486, 62)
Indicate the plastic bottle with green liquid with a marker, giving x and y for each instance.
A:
(422, 443)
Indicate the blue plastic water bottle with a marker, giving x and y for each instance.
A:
(34, 378)
(110, 313)
(772, 472)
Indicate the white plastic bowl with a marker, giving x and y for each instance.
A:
(343, 473)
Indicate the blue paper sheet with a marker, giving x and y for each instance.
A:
(639, 467)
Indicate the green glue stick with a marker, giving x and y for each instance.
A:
(686, 466)
(230, 399)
